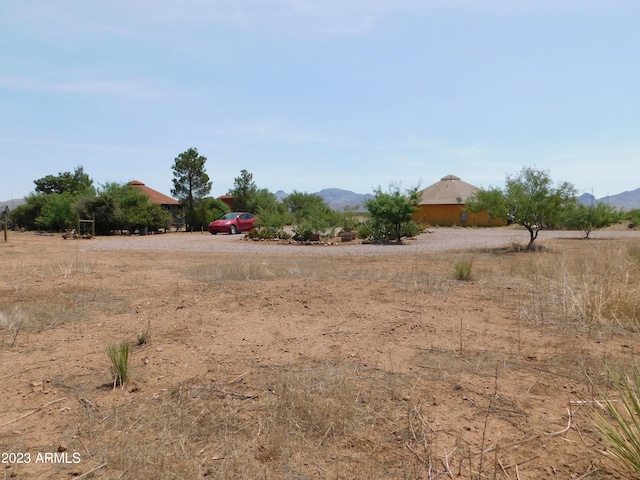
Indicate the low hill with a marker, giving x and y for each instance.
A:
(625, 200)
(11, 203)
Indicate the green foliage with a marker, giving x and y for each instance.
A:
(25, 215)
(391, 211)
(590, 217)
(77, 182)
(118, 353)
(57, 213)
(207, 210)
(268, 233)
(619, 423)
(104, 207)
(191, 182)
(124, 207)
(311, 215)
(143, 338)
(56, 202)
(244, 189)
(274, 216)
(528, 199)
(349, 220)
(462, 270)
(492, 200)
(263, 200)
(410, 229)
(633, 216)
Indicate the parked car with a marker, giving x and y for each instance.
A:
(233, 223)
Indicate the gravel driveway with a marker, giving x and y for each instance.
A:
(438, 239)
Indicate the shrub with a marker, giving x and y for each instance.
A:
(462, 270)
(391, 212)
(268, 233)
(119, 355)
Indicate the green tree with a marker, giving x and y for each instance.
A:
(57, 213)
(77, 182)
(25, 215)
(190, 183)
(528, 199)
(310, 214)
(264, 200)
(54, 205)
(124, 207)
(590, 217)
(271, 213)
(491, 200)
(135, 211)
(391, 212)
(244, 190)
(104, 207)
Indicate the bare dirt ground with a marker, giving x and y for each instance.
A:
(285, 361)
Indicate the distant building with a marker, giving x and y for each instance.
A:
(443, 204)
(229, 200)
(168, 203)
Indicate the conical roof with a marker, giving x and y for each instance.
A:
(154, 195)
(449, 190)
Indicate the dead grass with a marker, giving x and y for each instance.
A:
(302, 367)
(600, 287)
(313, 420)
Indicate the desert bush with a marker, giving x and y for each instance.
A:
(462, 270)
(268, 233)
(618, 422)
(143, 338)
(118, 354)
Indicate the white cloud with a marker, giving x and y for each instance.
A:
(124, 88)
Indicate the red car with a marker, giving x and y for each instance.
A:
(233, 223)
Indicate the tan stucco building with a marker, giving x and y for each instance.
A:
(443, 204)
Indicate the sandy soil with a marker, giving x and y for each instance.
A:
(486, 365)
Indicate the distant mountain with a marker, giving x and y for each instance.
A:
(624, 200)
(587, 199)
(339, 199)
(11, 203)
(336, 198)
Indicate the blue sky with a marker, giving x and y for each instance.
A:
(312, 94)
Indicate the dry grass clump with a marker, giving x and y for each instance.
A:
(634, 254)
(10, 324)
(600, 287)
(247, 269)
(280, 423)
(72, 303)
(462, 269)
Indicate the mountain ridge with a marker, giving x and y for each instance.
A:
(628, 200)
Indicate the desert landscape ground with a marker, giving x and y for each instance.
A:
(345, 361)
